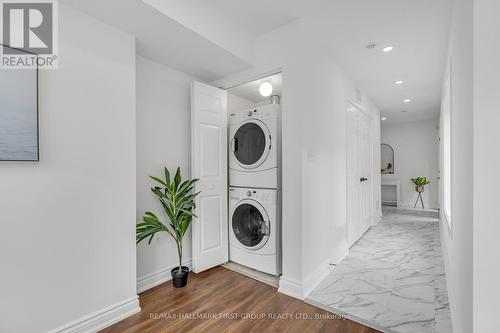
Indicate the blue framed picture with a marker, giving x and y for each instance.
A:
(19, 114)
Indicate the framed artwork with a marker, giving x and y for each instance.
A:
(19, 139)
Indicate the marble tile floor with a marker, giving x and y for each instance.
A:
(393, 278)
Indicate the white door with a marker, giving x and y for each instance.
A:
(359, 173)
(209, 164)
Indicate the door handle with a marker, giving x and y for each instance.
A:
(265, 228)
(234, 145)
(363, 179)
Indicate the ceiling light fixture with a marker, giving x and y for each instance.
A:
(266, 89)
(407, 100)
(383, 118)
(399, 82)
(387, 49)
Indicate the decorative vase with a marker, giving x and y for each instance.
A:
(419, 189)
(180, 280)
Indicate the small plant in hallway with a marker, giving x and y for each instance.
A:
(420, 183)
(178, 201)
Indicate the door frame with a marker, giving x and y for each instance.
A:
(249, 78)
(232, 83)
(357, 105)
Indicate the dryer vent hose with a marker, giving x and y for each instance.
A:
(275, 99)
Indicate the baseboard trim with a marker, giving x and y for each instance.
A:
(291, 288)
(103, 318)
(313, 279)
(152, 280)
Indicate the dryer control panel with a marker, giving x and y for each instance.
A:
(260, 195)
(261, 112)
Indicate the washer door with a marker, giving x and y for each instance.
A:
(251, 144)
(250, 224)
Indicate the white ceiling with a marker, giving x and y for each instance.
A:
(163, 39)
(250, 90)
(212, 38)
(418, 30)
(256, 17)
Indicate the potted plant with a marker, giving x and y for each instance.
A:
(420, 182)
(178, 201)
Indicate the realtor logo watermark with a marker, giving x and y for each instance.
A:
(29, 34)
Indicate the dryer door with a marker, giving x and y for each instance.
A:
(251, 144)
(250, 224)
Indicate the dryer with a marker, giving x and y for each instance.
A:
(255, 147)
(254, 223)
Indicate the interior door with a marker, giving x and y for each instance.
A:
(209, 164)
(359, 173)
(366, 167)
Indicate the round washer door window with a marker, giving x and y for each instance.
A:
(249, 226)
(250, 146)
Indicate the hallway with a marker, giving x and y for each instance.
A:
(393, 278)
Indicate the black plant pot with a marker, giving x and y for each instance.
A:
(180, 280)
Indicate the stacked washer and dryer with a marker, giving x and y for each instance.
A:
(254, 188)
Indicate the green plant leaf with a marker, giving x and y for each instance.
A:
(420, 181)
(158, 180)
(177, 178)
(184, 186)
(178, 202)
(167, 177)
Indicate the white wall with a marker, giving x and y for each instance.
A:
(416, 154)
(67, 246)
(163, 139)
(457, 243)
(314, 151)
(236, 103)
(208, 22)
(486, 165)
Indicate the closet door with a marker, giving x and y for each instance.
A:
(209, 164)
(359, 174)
(366, 167)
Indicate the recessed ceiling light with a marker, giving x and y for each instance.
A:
(407, 100)
(387, 49)
(371, 45)
(383, 118)
(399, 82)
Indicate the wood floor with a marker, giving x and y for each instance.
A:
(220, 300)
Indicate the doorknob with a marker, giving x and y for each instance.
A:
(234, 145)
(265, 228)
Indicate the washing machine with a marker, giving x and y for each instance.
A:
(254, 223)
(255, 147)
